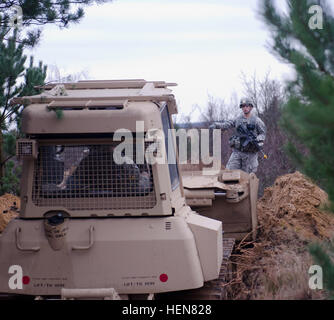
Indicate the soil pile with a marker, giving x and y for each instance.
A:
(295, 203)
(291, 215)
(9, 208)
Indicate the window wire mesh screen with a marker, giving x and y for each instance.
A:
(81, 177)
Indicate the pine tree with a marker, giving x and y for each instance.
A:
(34, 76)
(30, 14)
(11, 69)
(304, 38)
(12, 72)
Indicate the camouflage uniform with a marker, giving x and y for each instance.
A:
(246, 161)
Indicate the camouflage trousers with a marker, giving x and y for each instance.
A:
(246, 161)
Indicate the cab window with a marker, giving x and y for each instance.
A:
(171, 155)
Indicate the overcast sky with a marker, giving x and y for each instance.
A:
(203, 46)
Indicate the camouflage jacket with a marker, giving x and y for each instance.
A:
(259, 127)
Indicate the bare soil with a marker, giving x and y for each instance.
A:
(9, 208)
(291, 215)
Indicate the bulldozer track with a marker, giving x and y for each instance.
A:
(212, 290)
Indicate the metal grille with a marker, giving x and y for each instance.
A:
(26, 148)
(81, 177)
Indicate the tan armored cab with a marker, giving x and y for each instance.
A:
(75, 169)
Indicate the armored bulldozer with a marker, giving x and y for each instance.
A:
(101, 216)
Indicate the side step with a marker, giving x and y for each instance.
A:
(100, 293)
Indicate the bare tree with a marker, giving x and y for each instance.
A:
(261, 91)
(55, 75)
(251, 88)
(218, 110)
(184, 120)
(214, 110)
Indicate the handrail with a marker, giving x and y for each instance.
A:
(91, 241)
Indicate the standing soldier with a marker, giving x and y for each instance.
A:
(248, 140)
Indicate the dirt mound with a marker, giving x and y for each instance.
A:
(9, 207)
(291, 215)
(295, 203)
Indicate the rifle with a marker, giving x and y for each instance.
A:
(247, 137)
